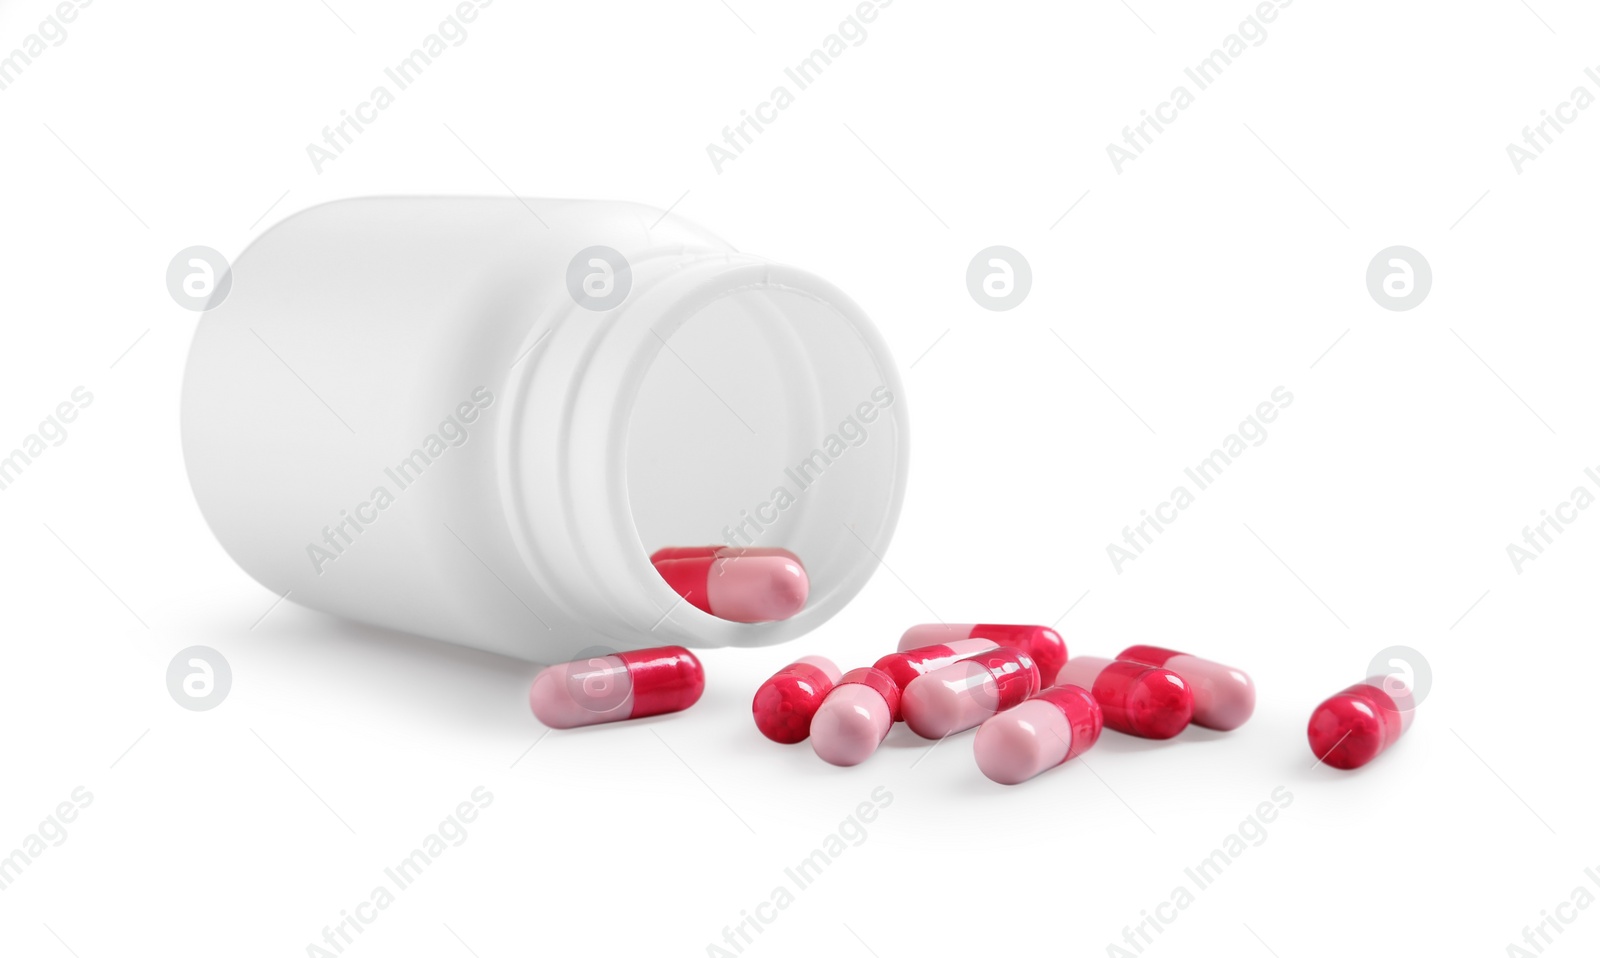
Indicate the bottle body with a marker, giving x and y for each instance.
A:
(405, 413)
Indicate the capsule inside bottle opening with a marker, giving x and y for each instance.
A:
(740, 585)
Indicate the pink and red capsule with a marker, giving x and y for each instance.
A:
(1224, 697)
(1045, 731)
(1043, 644)
(1135, 699)
(1357, 725)
(908, 665)
(855, 717)
(961, 695)
(784, 704)
(740, 585)
(614, 688)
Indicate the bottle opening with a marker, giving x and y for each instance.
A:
(770, 418)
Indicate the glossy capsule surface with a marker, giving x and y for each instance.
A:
(741, 586)
(1042, 643)
(1224, 697)
(1057, 724)
(613, 688)
(784, 704)
(1354, 727)
(1135, 699)
(905, 666)
(855, 717)
(963, 694)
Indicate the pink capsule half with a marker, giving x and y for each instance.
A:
(766, 587)
(855, 717)
(963, 694)
(1057, 724)
(1224, 697)
(905, 666)
(612, 688)
(1042, 643)
(1135, 699)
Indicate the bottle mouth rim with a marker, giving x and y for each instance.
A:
(612, 550)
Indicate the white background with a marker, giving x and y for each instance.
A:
(1226, 261)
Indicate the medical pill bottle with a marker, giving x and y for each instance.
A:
(475, 418)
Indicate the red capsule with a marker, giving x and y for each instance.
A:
(959, 696)
(740, 587)
(907, 665)
(1354, 727)
(785, 703)
(855, 717)
(1057, 724)
(1136, 699)
(1042, 643)
(611, 688)
(1224, 697)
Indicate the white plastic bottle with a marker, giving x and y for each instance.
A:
(421, 413)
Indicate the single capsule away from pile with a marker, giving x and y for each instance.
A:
(1356, 726)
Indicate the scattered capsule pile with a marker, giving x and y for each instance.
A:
(1034, 706)
(988, 677)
